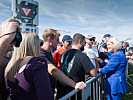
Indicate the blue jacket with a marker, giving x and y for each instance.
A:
(115, 70)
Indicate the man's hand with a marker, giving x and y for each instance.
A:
(98, 59)
(9, 26)
(80, 85)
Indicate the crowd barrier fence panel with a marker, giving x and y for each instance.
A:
(95, 90)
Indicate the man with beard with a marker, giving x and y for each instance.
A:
(91, 51)
(75, 64)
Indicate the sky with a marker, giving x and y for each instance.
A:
(89, 17)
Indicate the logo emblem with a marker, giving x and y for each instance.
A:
(26, 11)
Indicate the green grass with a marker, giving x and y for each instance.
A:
(129, 94)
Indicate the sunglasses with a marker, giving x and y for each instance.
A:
(69, 42)
(92, 39)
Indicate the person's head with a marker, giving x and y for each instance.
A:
(113, 45)
(90, 41)
(125, 45)
(106, 37)
(30, 46)
(104, 47)
(79, 40)
(130, 51)
(67, 41)
(51, 36)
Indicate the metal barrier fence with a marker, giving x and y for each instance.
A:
(95, 90)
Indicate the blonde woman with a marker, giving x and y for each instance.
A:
(26, 74)
(115, 70)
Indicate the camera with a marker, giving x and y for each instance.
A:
(17, 40)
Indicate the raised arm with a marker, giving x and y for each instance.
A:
(9, 26)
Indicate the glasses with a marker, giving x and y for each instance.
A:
(69, 42)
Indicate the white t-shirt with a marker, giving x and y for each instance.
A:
(91, 53)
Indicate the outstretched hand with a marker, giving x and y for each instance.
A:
(99, 60)
(80, 85)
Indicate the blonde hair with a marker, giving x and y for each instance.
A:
(117, 44)
(50, 33)
(30, 46)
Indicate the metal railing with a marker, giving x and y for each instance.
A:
(95, 90)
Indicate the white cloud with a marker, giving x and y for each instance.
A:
(83, 19)
(65, 16)
(4, 6)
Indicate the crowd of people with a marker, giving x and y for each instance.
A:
(31, 71)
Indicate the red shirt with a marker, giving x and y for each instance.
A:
(57, 57)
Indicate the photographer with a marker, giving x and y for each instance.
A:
(7, 35)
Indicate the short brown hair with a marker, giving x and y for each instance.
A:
(77, 37)
(50, 33)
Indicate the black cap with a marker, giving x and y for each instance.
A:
(67, 38)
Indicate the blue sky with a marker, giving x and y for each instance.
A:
(96, 17)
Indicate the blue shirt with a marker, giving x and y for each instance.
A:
(109, 54)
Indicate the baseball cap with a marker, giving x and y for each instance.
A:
(90, 37)
(67, 38)
(106, 35)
